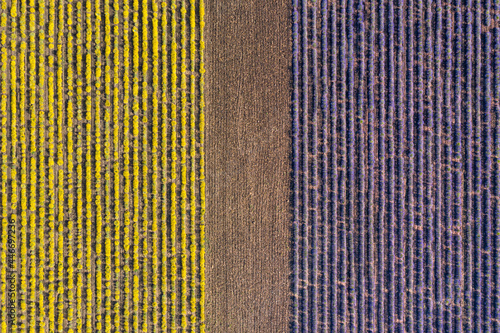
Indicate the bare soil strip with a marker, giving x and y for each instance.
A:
(248, 153)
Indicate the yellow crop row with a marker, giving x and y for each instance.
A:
(126, 162)
(192, 176)
(3, 151)
(202, 169)
(60, 162)
(33, 171)
(88, 166)
(51, 175)
(22, 139)
(135, 165)
(183, 172)
(97, 171)
(4, 178)
(173, 189)
(13, 101)
(79, 171)
(4, 155)
(164, 149)
(145, 200)
(116, 165)
(70, 162)
(154, 162)
(107, 211)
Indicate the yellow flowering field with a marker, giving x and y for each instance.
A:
(102, 166)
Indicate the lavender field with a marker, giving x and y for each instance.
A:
(396, 166)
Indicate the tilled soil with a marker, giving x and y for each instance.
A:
(248, 170)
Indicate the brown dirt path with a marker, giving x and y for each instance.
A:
(248, 170)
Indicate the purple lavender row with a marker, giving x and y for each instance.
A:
(334, 179)
(361, 218)
(305, 165)
(342, 322)
(419, 221)
(370, 282)
(351, 301)
(325, 234)
(411, 171)
(486, 287)
(477, 299)
(458, 177)
(381, 259)
(489, 171)
(400, 165)
(296, 174)
(438, 204)
(496, 252)
(429, 256)
(314, 173)
(447, 214)
(468, 176)
(391, 191)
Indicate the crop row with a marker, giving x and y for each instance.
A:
(79, 170)
(3, 150)
(23, 170)
(117, 245)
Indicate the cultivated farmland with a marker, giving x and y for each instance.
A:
(248, 157)
(396, 145)
(102, 166)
